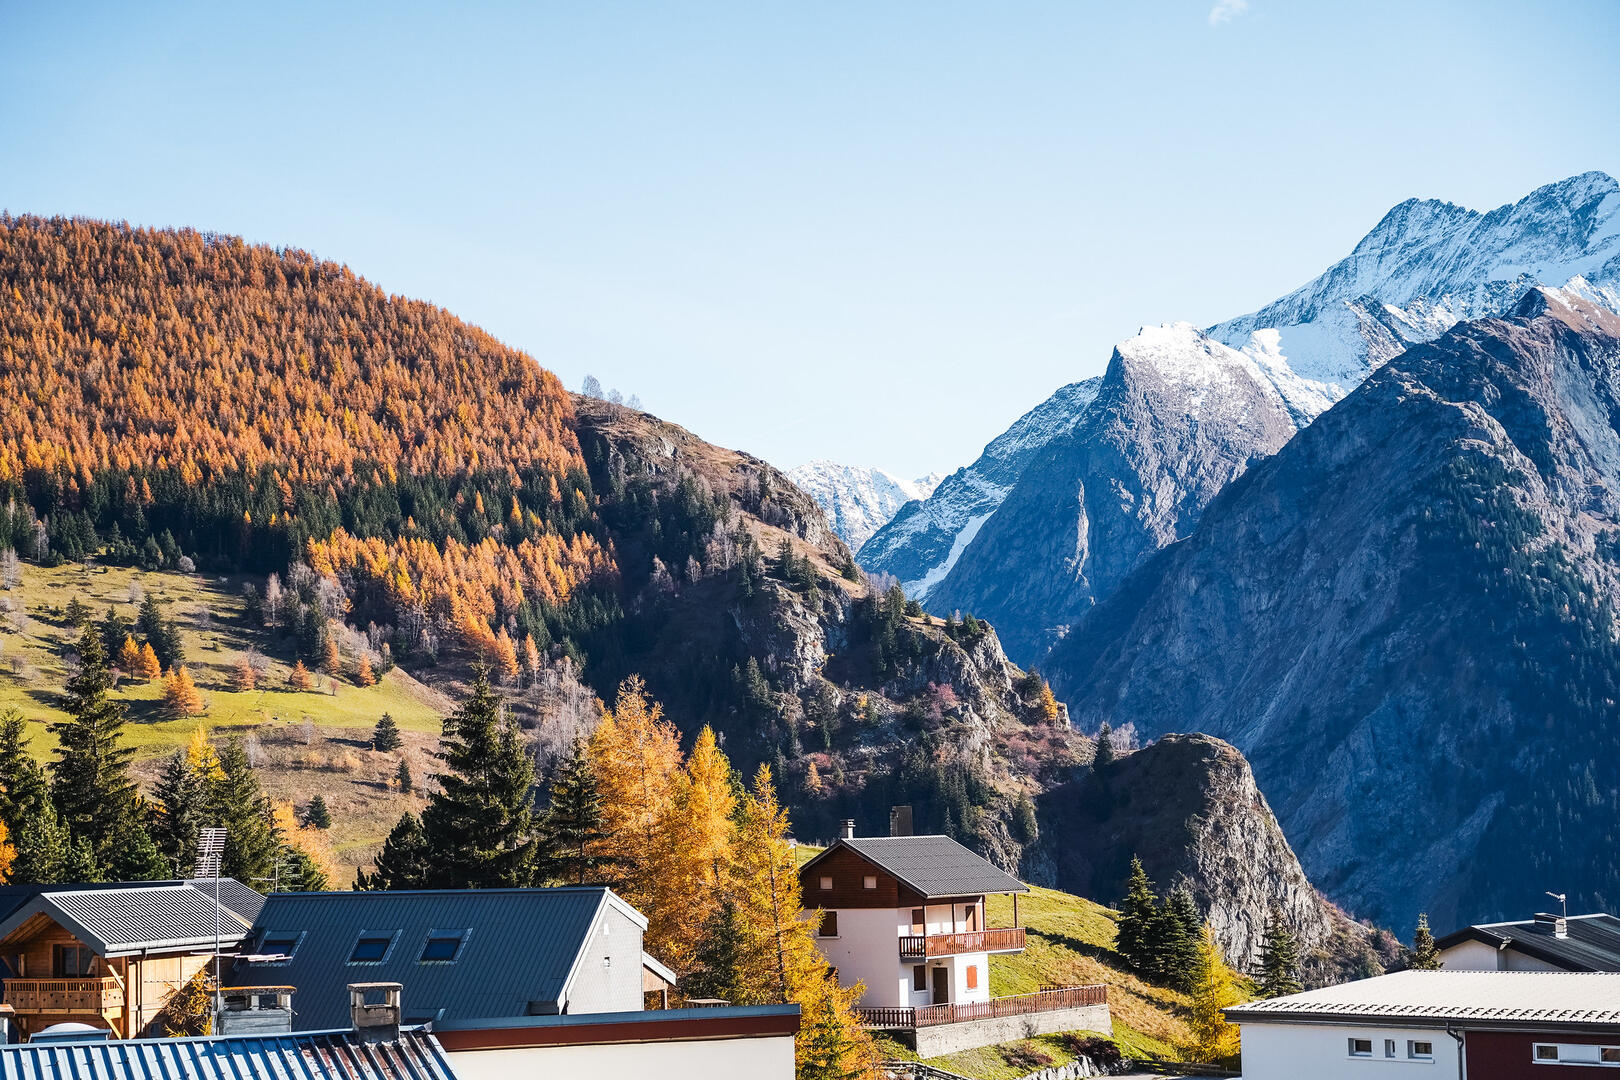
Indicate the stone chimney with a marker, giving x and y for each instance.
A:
(900, 821)
(375, 1010)
(846, 829)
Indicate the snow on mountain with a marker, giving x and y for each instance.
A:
(859, 499)
(923, 541)
(1425, 267)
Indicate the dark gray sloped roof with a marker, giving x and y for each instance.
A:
(233, 894)
(933, 866)
(1592, 943)
(326, 1055)
(522, 946)
(119, 921)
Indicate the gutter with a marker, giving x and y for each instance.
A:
(1462, 1046)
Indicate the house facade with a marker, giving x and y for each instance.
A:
(906, 917)
(1486, 1025)
(1544, 943)
(110, 958)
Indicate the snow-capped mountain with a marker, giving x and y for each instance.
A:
(859, 500)
(1427, 265)
(923, 541)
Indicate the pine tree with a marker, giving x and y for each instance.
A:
(1425, 954)
(1105, 748)
(331, 656)
(506, 658)
(316, 814)
(385, 736)
(575, 835)
(48, 854)
(132, 855)
(181, 695)
(1278, 970)
(299, 677)
(77, 614)
(90, 781)
(237, 803)
(1214, 988)
(717, 969)
(160, 633)
(403, 862)
(479, 823)
(1183, 926)
(23, 790)
(114, 630)
(1138, 912)
(363, 675)
(402, 776)
(181, 794)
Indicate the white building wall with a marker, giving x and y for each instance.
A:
(867, 949)
(764, 1058)
(1322, 1052)
(1478, 956)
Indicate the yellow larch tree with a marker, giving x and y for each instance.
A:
(180, 694)
(1214, 988)
(332, 657)
(363, 674)
(243, 677)
(149, 667)
(202, 757)
(506, 658)
(531, 656)
(636, 754)
(693, 853)
(299, 677)
(8, 854)
(129, 657)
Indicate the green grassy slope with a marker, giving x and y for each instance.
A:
(315, 741)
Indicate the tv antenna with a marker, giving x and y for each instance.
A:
(210, 854)
(1563, 902)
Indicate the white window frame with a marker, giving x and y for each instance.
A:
(1353, 1052)
(1582, 1062)
(1412, 1053)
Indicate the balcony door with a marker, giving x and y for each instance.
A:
(942, 986)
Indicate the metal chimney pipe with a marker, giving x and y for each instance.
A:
(846, 829)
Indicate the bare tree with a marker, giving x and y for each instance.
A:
(11, 570)
(592, 387)
(273, 600)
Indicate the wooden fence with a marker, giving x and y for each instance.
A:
(910, 1018)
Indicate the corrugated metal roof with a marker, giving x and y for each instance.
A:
(1592, 942)
(932, 865)
(1554, 997)
(522, 945)
(328, 1055)
(233, 894)
(114, 921)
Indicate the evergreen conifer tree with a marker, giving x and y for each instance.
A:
(114, 629)
(1138, 915)
(402, 776)
(385, 736)
(90, 781)
(160, 632)
(403, 862)
(237, 803)
(1105, 748)
(717, 968)
(22, 782)
(317, 814)
(575, 835)
(479, 823)
(1425, 953)
(131, 853)
(1278, 970)
(77, 614)
(1179, 937)
(181, 794)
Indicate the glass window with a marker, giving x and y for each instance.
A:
(869, 882)
(1546, 1052)
(1389, 1048)
(371, 948)
(442, 946)
(1610, 1055)
(73, 961)
(826, 884)
(919, 977)
(1361, 1048)
(1418, 1049)
(279, 943)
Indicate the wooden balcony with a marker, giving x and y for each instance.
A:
(76, 997)
(909, 1019)
(928, 946)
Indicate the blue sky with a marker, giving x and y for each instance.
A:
(875, 232)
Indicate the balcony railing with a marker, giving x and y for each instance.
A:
(93, 997)
(924, 946)
(1068, 997)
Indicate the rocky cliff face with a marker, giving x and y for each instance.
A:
(1188, 807)
(1406, 620)
(1176, 417)
(1116, 484)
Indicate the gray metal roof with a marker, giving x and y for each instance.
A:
(1436, 997)
(113, 922)
(326, 1055)
(232, 893)
(1591, 944)
(933, 866)
(241, 899)
(521, 946)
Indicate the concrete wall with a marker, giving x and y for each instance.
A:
(1322, 1052)
(768, 1058)
(867, 949)
(614, 986)
(949, 1038)
(1478, 956)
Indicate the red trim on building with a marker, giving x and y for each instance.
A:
(672, 1029)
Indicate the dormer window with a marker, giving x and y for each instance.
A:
(281, 943)
(373, 946)
(443, 946)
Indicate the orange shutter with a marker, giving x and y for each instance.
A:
(973, 976)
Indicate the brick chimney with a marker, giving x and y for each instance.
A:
(375, 1010)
